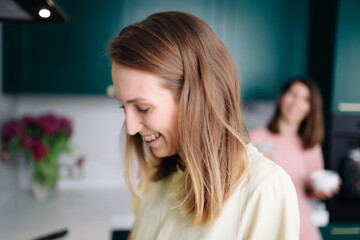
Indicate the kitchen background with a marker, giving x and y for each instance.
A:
(63, 68)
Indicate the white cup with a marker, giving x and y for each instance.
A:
(324, 180)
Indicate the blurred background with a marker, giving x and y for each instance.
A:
(58, 65)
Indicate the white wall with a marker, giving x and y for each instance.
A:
(257, 114)
(97, 123)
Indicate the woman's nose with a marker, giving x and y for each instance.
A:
(133, 124)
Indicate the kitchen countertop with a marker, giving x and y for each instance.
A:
(90, 214)
(87, 214)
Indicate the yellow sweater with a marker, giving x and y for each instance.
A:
(263, 207)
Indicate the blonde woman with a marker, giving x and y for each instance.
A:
(198, 176)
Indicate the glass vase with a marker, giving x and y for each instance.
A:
(45, 175)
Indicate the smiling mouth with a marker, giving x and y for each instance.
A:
(151, 137)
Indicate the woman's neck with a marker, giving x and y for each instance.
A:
(287, 128)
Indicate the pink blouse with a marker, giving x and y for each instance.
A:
(288, 153)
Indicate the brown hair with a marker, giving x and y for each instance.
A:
(197, 67)
(311, 130)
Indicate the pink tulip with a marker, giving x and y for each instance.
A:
(50, 124)
(10, 129)
(31, 133)
(27, 121)
(80, 161)
(26, 141)
(39, 150)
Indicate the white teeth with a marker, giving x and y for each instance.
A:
(151, 137)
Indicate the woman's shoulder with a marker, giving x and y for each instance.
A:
(267, 194)
(263, 171)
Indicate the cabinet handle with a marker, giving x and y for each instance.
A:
(345, 231)
(349, 107)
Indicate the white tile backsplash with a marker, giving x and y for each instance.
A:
(97, 123)
(257, 113)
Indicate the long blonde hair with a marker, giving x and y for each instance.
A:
(197, 67)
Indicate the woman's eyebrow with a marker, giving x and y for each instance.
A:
(131, 100)
(135, 100)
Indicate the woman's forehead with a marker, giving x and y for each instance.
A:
(136, 85)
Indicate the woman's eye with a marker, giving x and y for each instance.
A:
(143, 110)
(121, 106)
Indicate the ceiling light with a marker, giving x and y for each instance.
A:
(31, 11)
(44, 13)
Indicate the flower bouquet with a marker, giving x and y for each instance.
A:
(42, 139)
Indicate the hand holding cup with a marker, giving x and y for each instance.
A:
(325, 183)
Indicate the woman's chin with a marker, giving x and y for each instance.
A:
(294, 120)
(161, 154)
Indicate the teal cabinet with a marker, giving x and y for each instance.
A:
(66, 58)
(346, 88)
(267, 39)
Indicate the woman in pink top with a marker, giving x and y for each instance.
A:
(292, 140)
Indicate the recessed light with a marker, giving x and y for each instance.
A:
(44, 13)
